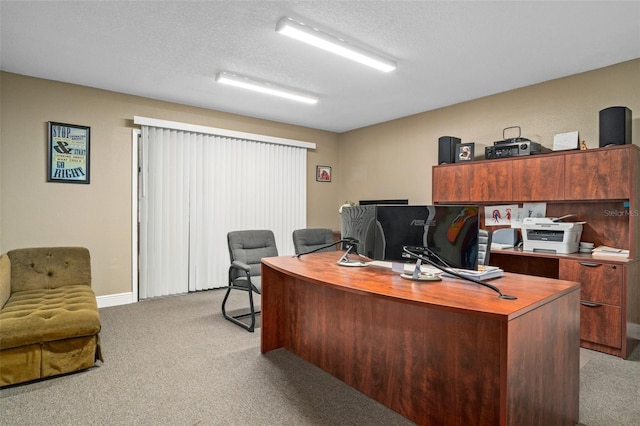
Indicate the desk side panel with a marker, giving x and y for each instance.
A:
(273, 329)
(431, 366)
(543, 364)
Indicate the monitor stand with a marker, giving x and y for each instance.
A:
(417, 274)
(345, 261)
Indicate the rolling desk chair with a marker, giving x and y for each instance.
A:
(484, 246)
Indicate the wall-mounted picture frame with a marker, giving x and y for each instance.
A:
(464, 152)
(323, 173)
(68, 153)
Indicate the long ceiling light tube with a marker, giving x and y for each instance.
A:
(263, 87)
(317, 38)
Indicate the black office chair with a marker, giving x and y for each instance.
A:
(246, 250)
(484, 246)
(306, 240)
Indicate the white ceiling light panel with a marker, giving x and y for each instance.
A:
(317, 38)
(264, 87)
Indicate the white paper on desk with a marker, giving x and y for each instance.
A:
(564, 141)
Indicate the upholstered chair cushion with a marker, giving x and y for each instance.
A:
(5, 279)
(49, 267)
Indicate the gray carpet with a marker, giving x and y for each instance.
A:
(176, 361)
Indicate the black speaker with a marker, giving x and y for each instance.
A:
(447, 148)
(615, 126)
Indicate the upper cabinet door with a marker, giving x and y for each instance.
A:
(490, 181)
(598, 175)
(472, 182)
(450, 184)
(538, 178)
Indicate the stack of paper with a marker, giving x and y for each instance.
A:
(483, 272)
(605, 251)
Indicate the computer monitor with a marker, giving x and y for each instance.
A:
(403, 201)
(449, 231)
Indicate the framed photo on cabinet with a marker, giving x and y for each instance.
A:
(464, 152)
(68, 153)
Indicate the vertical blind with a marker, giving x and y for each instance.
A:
(195, 188)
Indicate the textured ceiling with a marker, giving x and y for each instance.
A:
(447, 51)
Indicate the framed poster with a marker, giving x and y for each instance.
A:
(68, 153)
(323, 173)
(464, 152)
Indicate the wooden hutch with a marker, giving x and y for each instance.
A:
(601, 187)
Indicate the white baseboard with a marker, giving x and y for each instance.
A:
(115, 300)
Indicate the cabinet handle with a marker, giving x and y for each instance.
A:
(591, 304)
(590, 264)
(593, 264)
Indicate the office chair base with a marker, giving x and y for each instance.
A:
(236, 318)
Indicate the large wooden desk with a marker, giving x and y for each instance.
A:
(439, 353)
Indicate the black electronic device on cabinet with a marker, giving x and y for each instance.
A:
(615, 126)
(447, 149)
(512, 147)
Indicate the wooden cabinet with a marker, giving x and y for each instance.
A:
(490, 182)
(472, 182)
(538, 178)
(602, 323)
(452, 183)
(602, 188)
(600, 328)
(598, 175)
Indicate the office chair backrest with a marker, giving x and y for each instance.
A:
(484, 246)
(251, 246)
(306, 240)
(505, 236)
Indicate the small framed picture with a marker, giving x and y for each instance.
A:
(323, 173)
(68, 153)
(464, 152)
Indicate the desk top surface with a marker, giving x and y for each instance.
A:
(449, 294)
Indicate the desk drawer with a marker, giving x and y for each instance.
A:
(601, 324)
(600, 282)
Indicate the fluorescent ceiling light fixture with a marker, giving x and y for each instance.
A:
(263, 87)
(317, 38)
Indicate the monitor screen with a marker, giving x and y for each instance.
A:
(451, 232)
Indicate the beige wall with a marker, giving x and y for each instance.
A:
(98, 216)
(388, 160)
(394, 159)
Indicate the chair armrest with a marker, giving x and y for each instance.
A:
(236, 264)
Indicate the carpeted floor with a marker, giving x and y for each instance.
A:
(176, 361)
